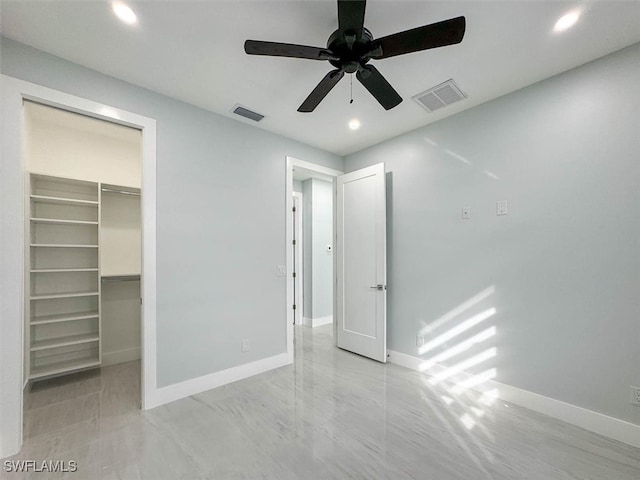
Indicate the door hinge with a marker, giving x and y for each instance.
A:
(140, 300)
(294, 306)
(294, 241)
(294, 274)
(294, 209)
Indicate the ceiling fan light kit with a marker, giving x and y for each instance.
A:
(351, 47)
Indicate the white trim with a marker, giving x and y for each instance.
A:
(299, 251)
(611, 427)
(330, 172)
(187, 388)
(14, 92)
(120, 356)
(317, 322)
(290, 163)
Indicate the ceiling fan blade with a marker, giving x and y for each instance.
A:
(351, 16)
(276, 49)
(372, 79)
(447, 32)
(322, 89)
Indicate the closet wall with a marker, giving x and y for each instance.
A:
(120, 261)
(65, 144)
(71, 146)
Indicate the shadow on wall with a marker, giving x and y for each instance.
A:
(463, 338)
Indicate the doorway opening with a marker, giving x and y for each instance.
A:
(62, 212)
(311, 193)
(358, 273)
(83, 257)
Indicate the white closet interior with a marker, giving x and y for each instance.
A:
(82, 292)
(120, 250)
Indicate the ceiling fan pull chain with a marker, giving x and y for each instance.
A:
(351, 83)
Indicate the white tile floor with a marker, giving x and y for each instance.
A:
(331, 415)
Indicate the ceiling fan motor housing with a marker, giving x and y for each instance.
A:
(352, 51)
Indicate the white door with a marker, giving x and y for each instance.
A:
(361, 287)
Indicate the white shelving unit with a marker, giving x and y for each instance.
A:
(63, 288)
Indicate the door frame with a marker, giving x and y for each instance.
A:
(321, 171)
(299, 256)
(12, 240)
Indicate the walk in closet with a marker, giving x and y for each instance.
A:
(82, 265)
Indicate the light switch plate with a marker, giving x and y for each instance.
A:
(466, 213)
(281, 271)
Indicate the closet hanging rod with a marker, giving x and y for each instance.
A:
(110, 190)
(123, 278)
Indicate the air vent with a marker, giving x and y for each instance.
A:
(440, 96)
(246, 113)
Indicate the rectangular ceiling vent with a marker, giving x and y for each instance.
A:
(246, 113)
(440, 96)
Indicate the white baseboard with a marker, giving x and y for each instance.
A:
(120, 356)
(317, 322)
(611, 427)
(193, 386)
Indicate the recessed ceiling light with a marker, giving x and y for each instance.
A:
(354, 124)
(124, 12)
(566, 21)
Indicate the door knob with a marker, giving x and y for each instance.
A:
(379, 287)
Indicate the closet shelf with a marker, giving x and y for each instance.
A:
(64, 341)
(61, 367)
(62, 245)
(61, 221)
(62, 200)
(64, 295)
(63, 317)
(63, 270)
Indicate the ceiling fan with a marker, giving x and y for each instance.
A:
(351, 46)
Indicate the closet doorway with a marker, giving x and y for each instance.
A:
(83, 253)
(14, 184)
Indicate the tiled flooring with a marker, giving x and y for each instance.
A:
(331, 415)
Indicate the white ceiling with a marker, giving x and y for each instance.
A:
(193, 51)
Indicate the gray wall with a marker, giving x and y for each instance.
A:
(317, 225)
(322, 231)
(220, 219)
(564, 264)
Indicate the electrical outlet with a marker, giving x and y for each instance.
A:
(419, 341)
(244, 345)
(502, 208)
(635, 396)
(466, 213)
